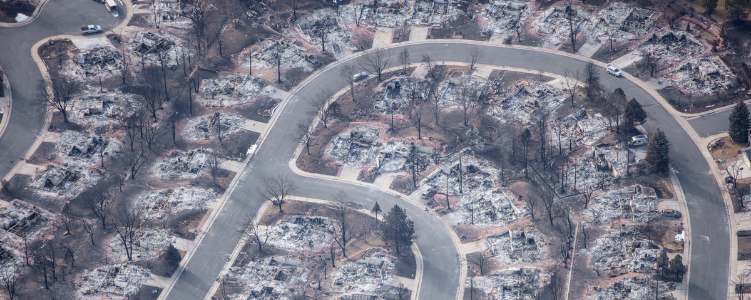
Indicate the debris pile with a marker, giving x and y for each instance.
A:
(621, 20)
(628, 204)
(207, 126)
(183, 164)
(512, 247)
(23, 219)
(396, 94)
(113, 280)
(301, 233)
(593, 127)
(235, 89)
(151, 47)
(525, 101)
(672, 45)
(291, 56)
(554, 23)
(103, 110)
(636, 287)
(705, 75)
(324, 23)
(504, 17)
(512, 283)
(268, 278)
(388, 13)
(157, 204)
(100, 59)
(365, 275)
(455, 92)
(624, 251)
(395, 155)
(60, 180)
(598, 167)
(77, 149)
(357, 147)
(147, 244)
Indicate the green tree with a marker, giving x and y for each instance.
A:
(740, 122)
(663, 262)
(677, 267)
(737, 8)
(398, 228)
(709, 5)
(633, 114)
(658, 152)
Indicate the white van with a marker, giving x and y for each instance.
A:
(638, 140)
(111, 5)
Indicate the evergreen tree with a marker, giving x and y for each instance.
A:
(633, 114)
(709, 5)
(663, 262)
(397, 228)
(658, 152)
(740, 122)
(677, 267)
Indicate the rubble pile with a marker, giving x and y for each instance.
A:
(513, 247)
(118, 280)
(451, 92)
(592, 128)
(525, 101)
(230, 90)
(205, 127)
(100, 59)
(365, 275)
(555, 25)
(151, 46)
(11, 250)
(157, 204)
(623, 21)
(57, 180)
(103, 110)
(672, 45)
(356, 147)
(388, 13)
(147, 244)
(503, 17)
(512, 283)
(705, 75)
(169, 12)
(183, 164)
(632, 288)
(624, 251)
(397, 93)
(21, 218)
(338, 38)
(301, 233)
(291, 56)
(597, 168)
(394, 157)
(77, 149)
(267, 279)
(628, 204)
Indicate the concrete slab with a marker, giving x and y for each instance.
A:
(625, 60)
(383, 37)
(231, 165)
(88, 44)
(472, 247)
(384, 181)
(29, 169)
(674, 205)
(157, 281)
(418, 33)
(254, 126)
(483, 71)
(4, 203)
(588, 49)
(349, 172)
(183, 244)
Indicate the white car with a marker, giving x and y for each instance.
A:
(360, 76)
(614, 71)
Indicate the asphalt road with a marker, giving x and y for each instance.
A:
(26, 119)
(712, 123)
(710, 252)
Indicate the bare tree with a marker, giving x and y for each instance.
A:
(136, 159)
(478, 259)
(416, 118)
(305, 133)
(650, 61)
(321, 107)
(592, 79)
(348, 227)
(551, 207)
(278, 49)
(469, 98)
(571, 15)
(404, 60)
(196, 11)
(277, 189)
(66, 217)
(125, 65)
(9, 276)
(557, 286)
(474, 54)
(43, 265)
(376, 62)
(611, 35)
(89, 228)
(429, 63)
(101, 205)
(213, 164)
(294, 5)
(255, 234)
(322, 33)
(587, 196)
(347, 74)
(60, 93)
(572, 83)
(127, 225)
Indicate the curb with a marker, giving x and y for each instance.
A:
(678, 189)
(8, 106)
(31, 18)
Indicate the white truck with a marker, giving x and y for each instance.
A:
(91, 29)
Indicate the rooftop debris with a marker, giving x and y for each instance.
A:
(117, 280)
(525, 101)
(358, 146)
(268, 278)
(624, 251)
(632, 288)
(512, 247)
(205, 127)
(451, 92)
(512, 283)
(301, 233)
(504, 17)
(672, 45)
(291, 56)
(99, 110)
(598, 167)
(338, 39)
(628, 204)
(77, 149)
(21, 218)
(183, 164)
(397, 93)
(624, 21)
(555, 25)
(230, 90)
(148, 244)
(366, 275)
(704, 75)
(156, 204)
(59, 180)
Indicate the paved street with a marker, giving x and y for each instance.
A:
(26, 119)
(711, 123)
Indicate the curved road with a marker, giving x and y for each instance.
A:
(57, 17)
(710, 249)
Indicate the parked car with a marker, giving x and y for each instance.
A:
(360, 76)
(614, 71)
(638, 140)
(91, 29)
(671, 213)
